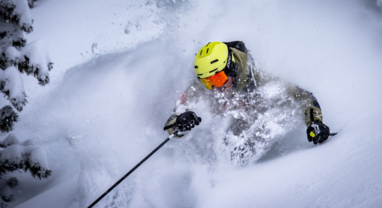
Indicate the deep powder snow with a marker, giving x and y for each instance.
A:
(104, 112)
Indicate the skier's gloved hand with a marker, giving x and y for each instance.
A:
(185, 122)
(317, 132)
(179, 125)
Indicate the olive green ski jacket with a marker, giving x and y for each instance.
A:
(248, 85)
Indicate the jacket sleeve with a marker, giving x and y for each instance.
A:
(193, 92)
(312, 109)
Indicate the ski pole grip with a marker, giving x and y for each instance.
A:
(168, 127)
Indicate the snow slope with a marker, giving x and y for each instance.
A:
(104, 111)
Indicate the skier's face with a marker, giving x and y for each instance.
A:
(216, 80)
(227, 87)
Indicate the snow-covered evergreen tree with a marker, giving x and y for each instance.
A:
(16, 155)
(18, 57)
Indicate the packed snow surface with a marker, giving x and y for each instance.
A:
(120, 67)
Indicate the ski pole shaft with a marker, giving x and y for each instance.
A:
(132, 170)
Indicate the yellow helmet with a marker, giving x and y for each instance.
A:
(211, 59)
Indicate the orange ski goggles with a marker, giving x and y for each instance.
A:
(217, 80)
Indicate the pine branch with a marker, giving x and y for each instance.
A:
(24, 164)
(19, 43)
(7, 119)
(6, 15)
(3, 205)
(12, 182)
(3, 34)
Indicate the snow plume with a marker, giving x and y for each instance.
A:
(109, 114)
(249, 122)
(272, 115)
(108, 132)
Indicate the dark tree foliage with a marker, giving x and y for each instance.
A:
(25, 66)
(6, 14)
(7, 119)
(7, 198)
(24, 164)
(12, 29)
(2, 34)
(16, 56)
(12, 182)
(20, 161)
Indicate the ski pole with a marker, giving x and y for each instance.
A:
(132, 170)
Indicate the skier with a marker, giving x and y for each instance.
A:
(234, 84)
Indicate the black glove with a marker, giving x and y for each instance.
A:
(317, 132)
(185, 122)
